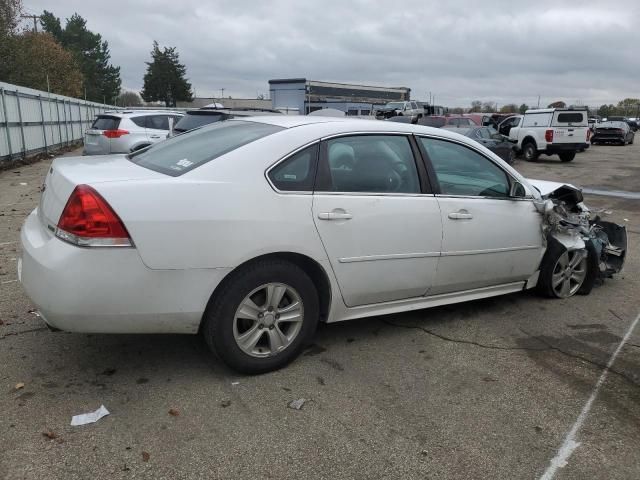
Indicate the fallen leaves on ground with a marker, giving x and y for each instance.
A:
(50, 434)
(146, 456)
(19, 386)
(173, 412)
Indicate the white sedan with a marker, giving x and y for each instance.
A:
(252, 231)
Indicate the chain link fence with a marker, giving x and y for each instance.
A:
(33, 121)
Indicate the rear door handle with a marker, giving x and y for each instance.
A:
(335, 216)
(155, 136)
(460, 215)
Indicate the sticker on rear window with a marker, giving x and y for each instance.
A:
(184, 163)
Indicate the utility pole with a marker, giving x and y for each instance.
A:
(35, 23)
(221, 93)
(538, 102)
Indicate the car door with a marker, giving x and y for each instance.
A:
(378, 221)
(489, 238)
(157, 127)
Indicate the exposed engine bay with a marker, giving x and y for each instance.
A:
(572, 224)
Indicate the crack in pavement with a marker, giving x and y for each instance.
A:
(456, 340)
(548, 347)
(12, 334)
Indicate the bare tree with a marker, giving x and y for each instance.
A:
(128, 98)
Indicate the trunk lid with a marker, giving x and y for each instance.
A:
(66, 173)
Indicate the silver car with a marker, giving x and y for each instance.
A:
(126, 131)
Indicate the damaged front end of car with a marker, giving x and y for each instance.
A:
(569, 222)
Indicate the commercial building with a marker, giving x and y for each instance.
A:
(232, 103)
(305, 96)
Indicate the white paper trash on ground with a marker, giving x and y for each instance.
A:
(90, 417)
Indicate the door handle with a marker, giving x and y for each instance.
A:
(335, 215)
(155, 136)
(461, 214)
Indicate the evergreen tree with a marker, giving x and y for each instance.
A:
(101, 80)
(165, 78)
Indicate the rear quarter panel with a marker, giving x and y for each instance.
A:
(218, 215)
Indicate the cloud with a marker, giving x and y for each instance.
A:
(503, 51)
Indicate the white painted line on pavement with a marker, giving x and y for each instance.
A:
(570, 443)
(8, 281)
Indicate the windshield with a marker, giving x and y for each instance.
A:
(182, 153)
(395, 105)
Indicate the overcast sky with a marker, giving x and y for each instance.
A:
(492, 50)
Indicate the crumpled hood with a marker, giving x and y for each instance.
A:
(546, 188)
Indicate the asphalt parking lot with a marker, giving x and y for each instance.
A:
(483, 390)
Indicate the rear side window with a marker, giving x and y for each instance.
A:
(105, 122)
(139, 121)
(537, 120)
(369, 164)
(571, 117)
(182, 153)
(296, 173)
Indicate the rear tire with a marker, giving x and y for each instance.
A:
(530, 152)
(277, 341)
(567, 156)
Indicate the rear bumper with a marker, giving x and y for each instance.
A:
(564, 147)
(607, 138)
(109, 290)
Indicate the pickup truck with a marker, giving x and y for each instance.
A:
(400, 109)
(562, 131)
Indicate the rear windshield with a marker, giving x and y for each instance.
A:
(571, 117)
(105, 122)
(195, 120)
(185, 152)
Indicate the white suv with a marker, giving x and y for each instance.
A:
(127, 131)
(550, 131)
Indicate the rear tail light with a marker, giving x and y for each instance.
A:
(88, 221)
(548, 136)
(115, 133)
(588, 134)
(619, 130)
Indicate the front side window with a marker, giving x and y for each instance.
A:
(296, 173)
(369, 164)
(185, 152)
(464, 172)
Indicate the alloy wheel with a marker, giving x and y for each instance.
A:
(268, 320)
(569, 273)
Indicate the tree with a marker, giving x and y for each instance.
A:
(509, 108)
(488, 107)
(128, 98)
(457, 111)
(523, 108)
(476, 106)
(101, 79)
(558, 104)
(38, 57)
(165, 78)
(10, 11)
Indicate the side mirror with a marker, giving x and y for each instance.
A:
(517, 190)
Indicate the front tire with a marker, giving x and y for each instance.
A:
(264, 316)
(562, 271)
(567, 156)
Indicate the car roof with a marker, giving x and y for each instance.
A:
(130, 113)
(337, 125)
